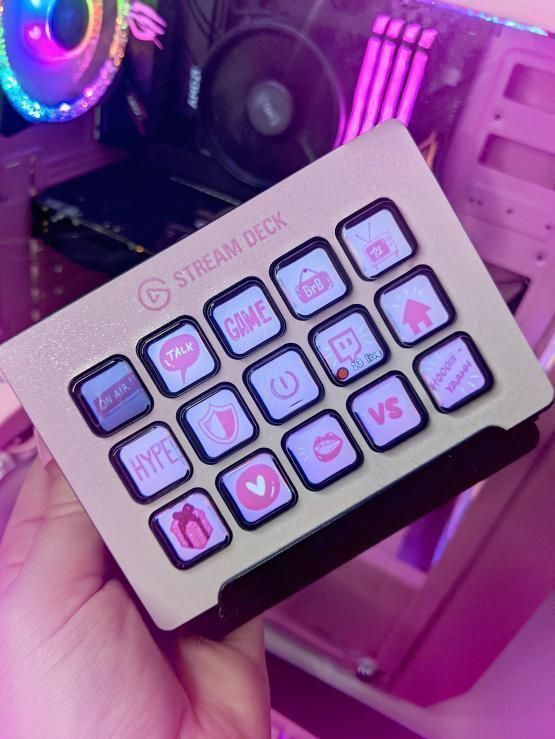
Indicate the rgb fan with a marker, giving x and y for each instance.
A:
(58, 57)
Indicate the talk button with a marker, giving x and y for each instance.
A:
(245, 318)
(178, 356)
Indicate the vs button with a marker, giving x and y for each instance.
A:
(388, 411)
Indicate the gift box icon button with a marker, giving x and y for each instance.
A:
(191, 527)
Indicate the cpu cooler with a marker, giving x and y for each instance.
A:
(58, 57)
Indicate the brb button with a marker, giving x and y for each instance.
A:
(388, 411)
(245, 318)
(453, 372)
(310, 279)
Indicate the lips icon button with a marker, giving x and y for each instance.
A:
(322, 450)
(327, 447)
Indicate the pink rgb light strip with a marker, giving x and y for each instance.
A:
(390, 75)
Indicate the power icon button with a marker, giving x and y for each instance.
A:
(285, 386)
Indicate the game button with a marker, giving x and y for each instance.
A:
(245, 318)
(310, 278)
(178, 357)
(376, 239)
(349, 345)
(190, 529)
(151, 463)
(218, 423)
(388, 411)
(415, 306)
(256, 489)
(322, 450)
(453, 372)
(283, 384)
(110, 396)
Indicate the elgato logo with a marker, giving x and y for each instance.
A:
(153, 293)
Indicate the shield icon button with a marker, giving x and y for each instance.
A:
(220, 423)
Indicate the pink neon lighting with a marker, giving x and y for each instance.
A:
(376, 88)
(378, 85)
(428, 37)
(380, 24)
(395, 27)
(39, 42)
(361, 91)
(411, 32)
(395, 86)
(146, 24)
(412, 87)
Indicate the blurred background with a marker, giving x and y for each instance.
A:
(125, 126)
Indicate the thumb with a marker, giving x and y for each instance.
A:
(50, 549)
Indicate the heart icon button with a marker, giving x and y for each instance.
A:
(257, 486)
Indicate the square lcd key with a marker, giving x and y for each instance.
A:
(349, 345)
(190, 529)
(376, 239)
(322, 450)
(257, 489)
(178, 357)
(110, 396)
(283, 384)
(218, 423)
(151, 462)
(388, 411)
(453, 372)
(310, 278)
(245, 318)
(415, 306)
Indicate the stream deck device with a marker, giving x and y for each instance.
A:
(262, 401)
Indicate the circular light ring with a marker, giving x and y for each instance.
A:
(41, 20)
(33, 109)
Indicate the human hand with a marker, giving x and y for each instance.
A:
(78, 660)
